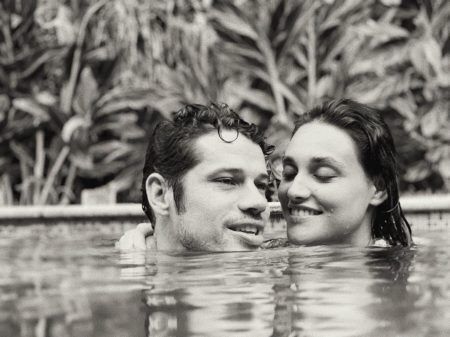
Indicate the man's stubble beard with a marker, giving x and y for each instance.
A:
(189, 241)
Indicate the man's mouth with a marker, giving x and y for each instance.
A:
(248, 232)
(247, 229)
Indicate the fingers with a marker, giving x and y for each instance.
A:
(135, 238)
(145, 228)
(132, 239)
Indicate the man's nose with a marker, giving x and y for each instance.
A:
(252, 201)
(298, 190)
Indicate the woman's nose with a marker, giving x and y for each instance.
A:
(298, 190)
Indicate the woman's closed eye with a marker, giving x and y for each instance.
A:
(325, 174)
(289, 172)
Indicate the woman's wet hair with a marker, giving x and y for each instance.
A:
(171, 152)
(378, 157)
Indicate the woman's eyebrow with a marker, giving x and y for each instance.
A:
(328, 161)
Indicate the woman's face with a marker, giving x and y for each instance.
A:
(325, 194)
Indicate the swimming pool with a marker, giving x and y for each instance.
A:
(70, 281)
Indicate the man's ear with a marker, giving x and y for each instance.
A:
(379, 196)
(157, 191)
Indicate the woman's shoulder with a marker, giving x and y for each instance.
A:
(380, 243)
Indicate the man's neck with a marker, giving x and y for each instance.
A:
(164, 238)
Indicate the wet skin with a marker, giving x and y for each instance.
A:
(225, 208)
(325, 194)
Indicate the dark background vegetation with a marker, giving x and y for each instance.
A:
(81, 81)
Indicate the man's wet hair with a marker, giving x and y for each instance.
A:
(377, 155)
(171, 152)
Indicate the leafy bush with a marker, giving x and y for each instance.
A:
(80, 85)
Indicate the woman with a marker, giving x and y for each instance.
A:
(339, 180)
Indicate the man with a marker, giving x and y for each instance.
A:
(204, 183)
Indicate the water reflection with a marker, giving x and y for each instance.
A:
(326, 294)
(304, 291)
(346, 292)
(184, 298)
(395, 299)
(85, 288)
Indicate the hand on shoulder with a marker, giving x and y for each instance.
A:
(135, 239)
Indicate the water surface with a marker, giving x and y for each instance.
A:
(71, 281)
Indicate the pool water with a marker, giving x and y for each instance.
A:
(73, 282)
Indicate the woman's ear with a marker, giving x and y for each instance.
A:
(157, 191)
(378, 197)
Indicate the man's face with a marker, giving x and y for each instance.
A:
(225, 208)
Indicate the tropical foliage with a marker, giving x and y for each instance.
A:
(81, 81)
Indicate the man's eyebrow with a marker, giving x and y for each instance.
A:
(226, 170)
(263, 176)
(236, 171)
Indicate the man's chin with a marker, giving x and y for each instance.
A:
(240, 241)
(232, 241)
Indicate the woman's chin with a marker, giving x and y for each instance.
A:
(299, 237)
(302, 235)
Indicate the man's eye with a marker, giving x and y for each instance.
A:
(225, 180)
(262, 186)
